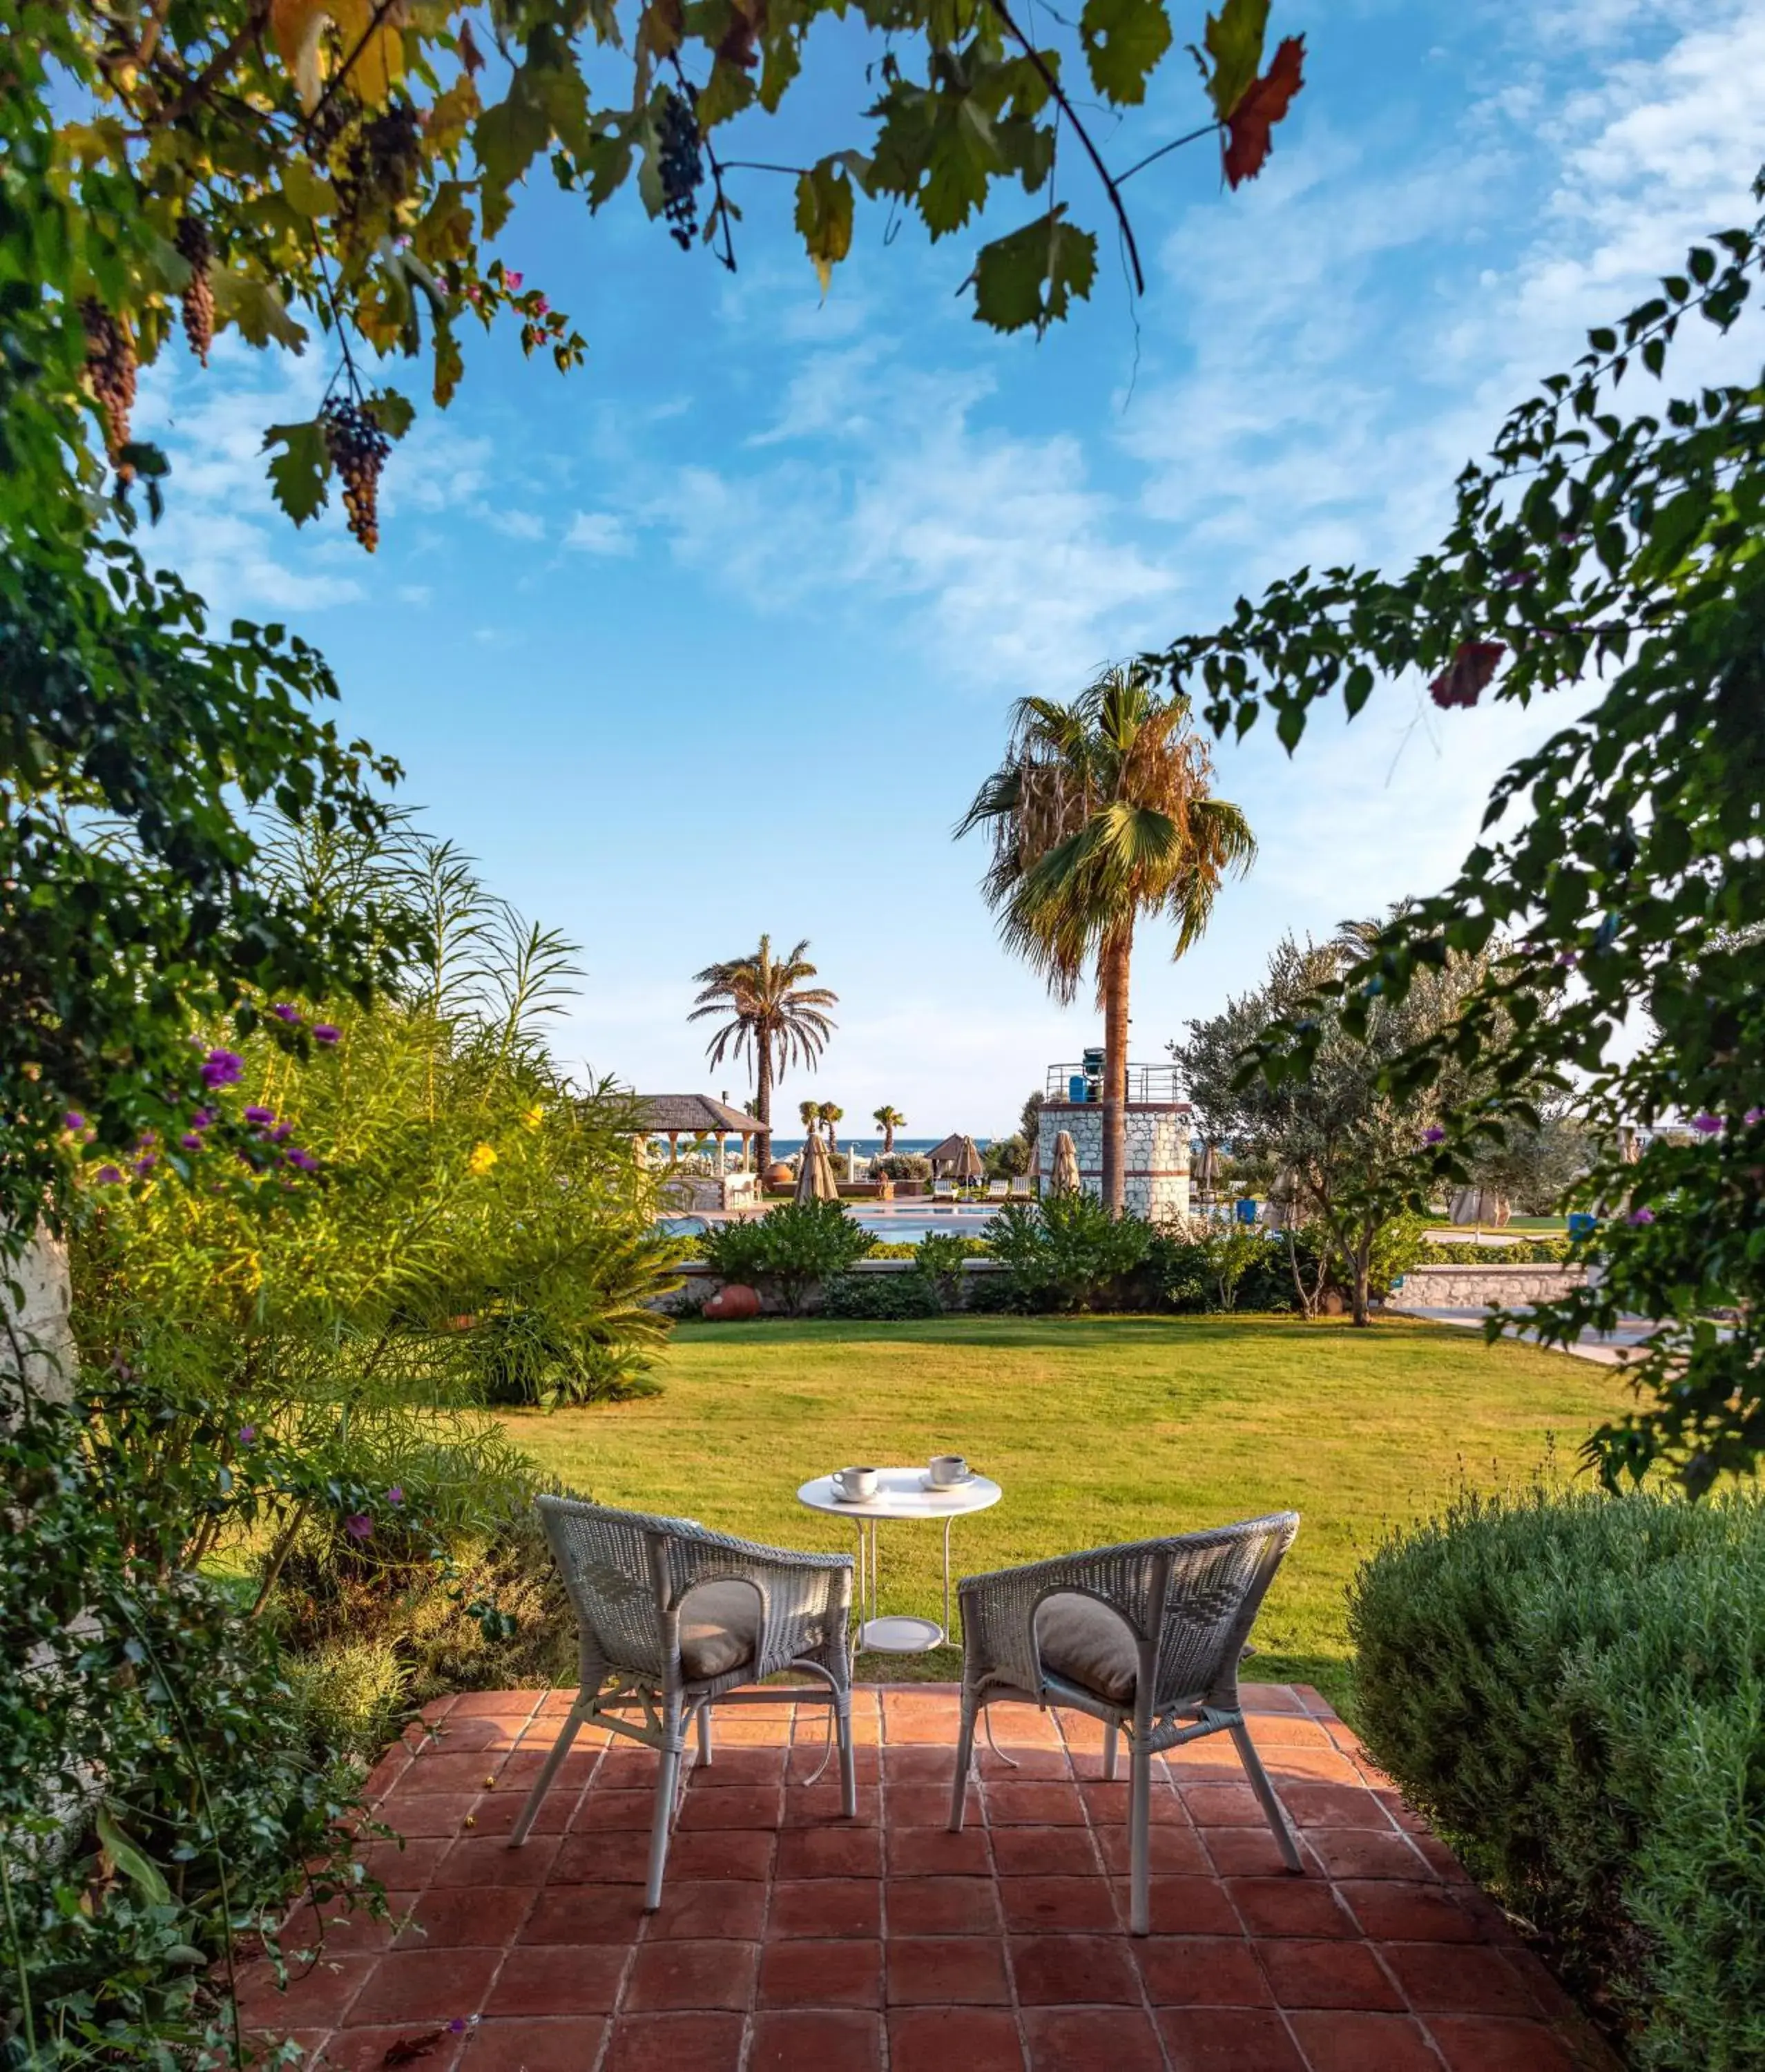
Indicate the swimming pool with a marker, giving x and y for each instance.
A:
(909, 1223)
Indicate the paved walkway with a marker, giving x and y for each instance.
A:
(1607, 1348)
(791, 1941)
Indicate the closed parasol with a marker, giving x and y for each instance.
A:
(969, 1164)
(1064, 1180)
(816, 1177)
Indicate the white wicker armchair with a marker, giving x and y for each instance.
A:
(674, 1618)
(1146, 1637)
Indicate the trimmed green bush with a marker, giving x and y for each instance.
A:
(1521, 1251)
(1573, 1689)
(882, 1298)
(790, 1248)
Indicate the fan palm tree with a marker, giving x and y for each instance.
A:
(832, 1115)
(888, 1120)
(810, 1113)
(765, 1009)
(1101, 813)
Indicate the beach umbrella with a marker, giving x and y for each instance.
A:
(815, 1178)
(1204, 1177)
(969, 1164)
(1065, 1178)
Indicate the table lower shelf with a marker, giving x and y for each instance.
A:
(900, 1635)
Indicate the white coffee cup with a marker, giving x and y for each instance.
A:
(856, 1483)
(947, 1468)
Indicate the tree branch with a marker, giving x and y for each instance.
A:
(219, 65)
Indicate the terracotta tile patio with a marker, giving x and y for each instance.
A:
(791, 1941)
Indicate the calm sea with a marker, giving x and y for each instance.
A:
(868, 1147)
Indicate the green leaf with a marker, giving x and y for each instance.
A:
(307, 192)
(1031, 276)
(298, 474)
(141, 1874)
(1234, 38)
(392, 412)
(1123, 41)
(255, 307)
(824, 215)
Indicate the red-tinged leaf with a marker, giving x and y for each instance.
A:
(1466, 677)
(1264, 103)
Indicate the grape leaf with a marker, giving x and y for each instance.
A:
(1031, 276)
(1234, 38)
(1264, 102)
(391, 411)
(1466, 677)
(1123, 41)
(298, 474)
(824, 213)
(255, 306)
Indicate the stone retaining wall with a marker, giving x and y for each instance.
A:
(1476, 1287)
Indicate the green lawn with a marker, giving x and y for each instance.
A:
(1099, 1429)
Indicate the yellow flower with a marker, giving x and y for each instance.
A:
(482, 1160)
(534, 1116)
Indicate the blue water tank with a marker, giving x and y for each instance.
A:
(1075, 1087)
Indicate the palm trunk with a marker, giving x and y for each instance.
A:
(1114, 960)
(763, 1106)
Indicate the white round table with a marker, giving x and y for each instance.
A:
(902, 1493)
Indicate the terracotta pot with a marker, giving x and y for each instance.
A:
(780, 1175)
(734, 1304)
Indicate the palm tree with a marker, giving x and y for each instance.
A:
(833, 1115)
(766, 1008)
(809, 1111)
(1100, 813)
(888, 1120)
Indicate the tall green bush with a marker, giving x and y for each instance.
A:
(789, 1249)
(1573, 1689)
(1067, 1251)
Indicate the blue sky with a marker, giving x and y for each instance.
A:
(720, 633)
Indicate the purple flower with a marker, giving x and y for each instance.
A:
(144, 1166)
(1753, 1115)
(73, 1120)
(254, 1114)
(326, 1032)
(247, 1434)
(202, 1119)
(1707, 1124)
(539, 306)
(302, 1161)
(1434, 1134)
(191, 1140)
(281, 1135)
(512, 282)
(284, 1013)
(395, 1494)
(357, 1525)
(223, 1068)
(1642, 1216)
(108, 1176)
(1568, 959)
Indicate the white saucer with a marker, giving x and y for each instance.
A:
(962, 1481)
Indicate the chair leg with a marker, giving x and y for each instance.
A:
(965, 1755)
(560, 1748)
(1140, 1851)
(667, 1783)
(704, 1736)
(849, 1764)
(1272, 1808)
(1111, 1737)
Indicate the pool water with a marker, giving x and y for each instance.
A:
(907, 1225)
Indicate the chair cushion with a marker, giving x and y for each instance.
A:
(1084, 1643)
(720, 1630)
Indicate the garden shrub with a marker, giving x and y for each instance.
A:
(1573, 1688)
(1521, 1251)
(1067, 1251)
(902, 1166)
(788, 1250)
(882, 1298)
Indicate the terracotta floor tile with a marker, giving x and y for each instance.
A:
(1337, 2041)
(942, 1906)
(1446, 1978)
(1291, 1730)
(414, 1814)
(939, 2039)
(1066, 1970)
(1185, 1906)
(338, 1929)
(1391, 1912)
(318, 1997)
(1327, 1974)
(504, 1704)
(1025, 1765)
(675, 2043)
(496, 1812)
(1086, 2039)
(569, 2044)
(1045, 1851)
(801, 1973)
(1034, 1904)
(733, 1908)
(456, 1917)
(1486, 2043)
(945, 1971)
(364, 2049)
(918, 1762)
(1229, 2039)
(1331, 1805)
(429, 1771)
(735, 1806)
(1307, 1765)
(820, 1805)
(933, 1852)
(1222, 1806)
(558, 1979)
(1369, 1852)
(425, 1985)
(1201, 1971)
(818, 2042)
(739, 1766)
(616, 1857)
(1034, 1806)
(406, 1868)
(1290, 1906)
(1107, 1805)
(727, 1852)
(669, 1977)
(1170, 1849)
(601, 1811)
(488, 1859)
(573, 1913)
(1245, 1852)
(825, 1907)
(846, 1852)
(922, 1805)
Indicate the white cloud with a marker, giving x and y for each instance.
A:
(516, 524)
(414, 593)
(599, 532)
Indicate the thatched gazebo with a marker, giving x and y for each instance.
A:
(956, 1156)
(675, 1115)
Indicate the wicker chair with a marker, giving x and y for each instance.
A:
(673, 1618)
(1144, 1638)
